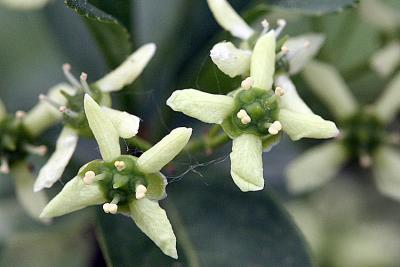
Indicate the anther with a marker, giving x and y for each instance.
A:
(265, 25)
(120, 165)
(275, 127)
(36, 150)
(281, 25)
(106, 207)
(20, 114)
(140, 191)
(279, 91)
(89, 177)
(246, 119)
(242, 113)
(68, 112)
(285, 49)
(4, 167)
(247, 83)
(72, 80)
(84, 83)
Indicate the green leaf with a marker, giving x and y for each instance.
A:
(215, 225)
(314, 7)
(112, 37)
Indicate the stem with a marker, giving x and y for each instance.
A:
(207, 143)
(139, 143)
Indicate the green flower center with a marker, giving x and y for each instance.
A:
(255, 111)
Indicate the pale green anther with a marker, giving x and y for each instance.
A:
(263, 61)
(388, 105)
(3, 111)
(128, 71)
(298, 125)
(231, 60)
(24, 4)
(246, 163)
(326, 82)
(386, 161)
(74, 196)
(32, 202)
(316, 167)
(127, 125)
(153, 221)
(103, 130)
(164, 151)
(206, 107)
(386, 60)
(55, 166)
(227, 17)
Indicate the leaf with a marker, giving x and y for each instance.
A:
(314, 7)
(112, 37)
(215, 225)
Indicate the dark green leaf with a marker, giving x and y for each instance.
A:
(315, 7)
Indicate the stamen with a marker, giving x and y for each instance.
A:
(281, 25)
(4, 167)
(112, 208)
(275, 127)
(36, 150)
(284, 49)
(265, 25)
(120, 165)
(246, 119)
(247, 83)
(50, 101)
(84, 83)
(106, 207)
(242, 113)
(20, 114)
(68, 112)
(140, 191)
(279, 91)
(89, 177)
(71, 79)
(365, 160)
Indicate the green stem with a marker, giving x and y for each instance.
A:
(207, 143)
(139, 143)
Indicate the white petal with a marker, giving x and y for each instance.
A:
(231, 60)
(298, 125)
(153, 221)
(206, 107)
(300, 53)
(386, 60)
(44, 115)
(128, 71)
(263, 61)
(326, 82)
(387, 171)
(74, 196)
(57, 163)
(388, 104)
(24, 4)
(164, 151)
(382, 16)
(126, 124)
(316, 167)
(291, 99)
(246, 163)
(32, 202)
(103, 130)
(227, 17)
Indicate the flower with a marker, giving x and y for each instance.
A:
(254, 114)
(363, 135)
(69, 102)
(123, 183)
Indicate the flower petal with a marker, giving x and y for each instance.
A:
(156, 184)
(298, 125)
(44, 115)
(206, 107)
(128, 71)
(153, 221)
(3, 111)
(263, 61)
(327, 83)
(227, 17)
(386, 60)
(74, 196)
(55, 166)
(291, 99)
(24, 4)
(164, 151)
(315, 167)
(126, 124)
(103, 130)
(231, 60)
(387, 171)
(32, 202)
(384, 17)
(246, 163)
(388, 104)
(302, 49)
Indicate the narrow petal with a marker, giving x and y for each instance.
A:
(128, 71)
(263, 61)
(316, 167)
(164, 151)
(3, 111)
(32, 202)
(291, 99)
(227, 17)
(103, 130)
(298, 125)
(57, 163)
(387, 171)
(231, 60)
(156, 184)
(74, 196)
(384, 18)
(327, 83)
(388, 104)
(24, 4)
(44, 115)
(386, 60)
(126, 124)
(153, 221)
(246, 163)
(302, 49)
(202, 106)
